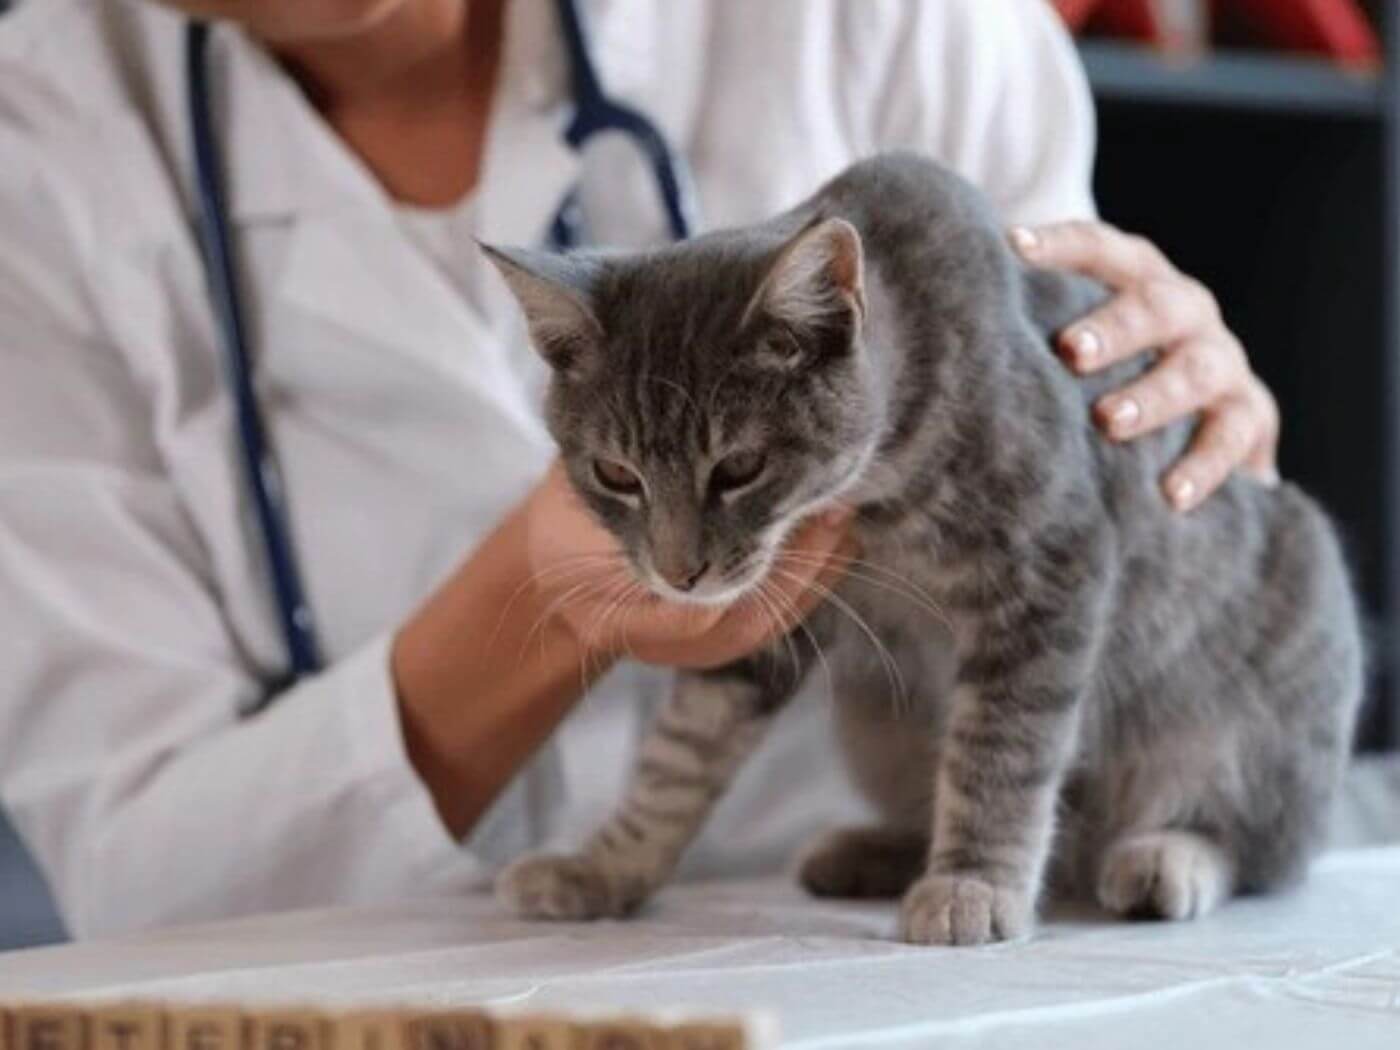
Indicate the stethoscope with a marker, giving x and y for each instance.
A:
(594, 113)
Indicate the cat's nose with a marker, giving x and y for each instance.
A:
(684, 579)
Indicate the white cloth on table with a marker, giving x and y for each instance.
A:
(1317, 967)
(1368, 811)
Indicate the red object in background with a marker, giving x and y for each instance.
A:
(1337, 28)
(1145, 20)
(1076, 12)
(1124, 18)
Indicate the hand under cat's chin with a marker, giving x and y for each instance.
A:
(716, 624)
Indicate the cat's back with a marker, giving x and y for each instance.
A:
(918, 221)
(905, 193)
(936, 240)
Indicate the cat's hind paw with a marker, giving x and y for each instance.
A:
(548, 886)
(863, 863)
(1164, 874)
(964, 910)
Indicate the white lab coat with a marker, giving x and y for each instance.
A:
(135, 616)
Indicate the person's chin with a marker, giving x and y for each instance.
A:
(283, 24)
(334, 18)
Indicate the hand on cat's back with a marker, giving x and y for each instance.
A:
(586, 582)
(1202, 369)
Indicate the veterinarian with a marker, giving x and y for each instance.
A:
(365, 144)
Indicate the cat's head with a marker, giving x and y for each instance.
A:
(707, 396)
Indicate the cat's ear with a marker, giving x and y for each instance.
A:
(817, 280)
(555, 294)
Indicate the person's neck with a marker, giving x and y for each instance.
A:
(410, 94)
(414, 54)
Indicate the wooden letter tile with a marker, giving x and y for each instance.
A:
(127, 1027)
(619, 1035)
(534, 1033)
(452, 1030)
(370, 1030)
(285, 1030)
(205, 1028)
(48, 1028)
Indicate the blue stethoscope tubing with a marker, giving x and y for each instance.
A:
(594, 113)
(262, 474)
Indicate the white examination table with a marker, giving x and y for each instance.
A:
(1316, 968)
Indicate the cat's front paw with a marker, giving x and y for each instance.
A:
(548, 886)
(964, 910)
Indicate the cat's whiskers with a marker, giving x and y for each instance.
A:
(547, 614)
(565, 567)
(560, 575)
(616, 609)
(559, 603)
(887, 579)
(799, 623)
(589, 590)
(596, 635)
(898, 689)
(774, 611)
(635, 595)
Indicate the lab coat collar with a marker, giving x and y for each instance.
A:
(283, 160)
(346, 259)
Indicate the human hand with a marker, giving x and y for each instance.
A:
(583, 580)
(1202, 368)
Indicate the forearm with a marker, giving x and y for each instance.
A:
(484, 674)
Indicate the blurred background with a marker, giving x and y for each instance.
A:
(1257, 142)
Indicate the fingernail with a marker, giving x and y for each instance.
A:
(1084, 345)
(1025, 240)
(1122, 414)
(1182, 492)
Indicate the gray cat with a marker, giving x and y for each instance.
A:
(1031, 639)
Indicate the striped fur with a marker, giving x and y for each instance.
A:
(1042, 675)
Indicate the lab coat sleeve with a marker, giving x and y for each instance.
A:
(123, 762)
(996, 90)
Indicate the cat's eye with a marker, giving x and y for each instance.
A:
(617, 477)
(786, 350)
(737, 470)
